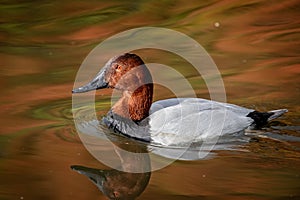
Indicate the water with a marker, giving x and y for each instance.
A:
(255, 45)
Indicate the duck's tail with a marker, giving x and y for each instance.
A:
(276, 113)
(262, 118)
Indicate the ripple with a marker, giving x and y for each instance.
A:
(59, 114)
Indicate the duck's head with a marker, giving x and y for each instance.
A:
(126, 72)
(116, 184)
(129, 74)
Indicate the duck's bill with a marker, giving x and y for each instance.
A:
(90, 172)
(95, 175)
(96, 84)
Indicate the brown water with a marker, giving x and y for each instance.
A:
(255, 44)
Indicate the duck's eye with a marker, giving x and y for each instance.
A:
(118, 67)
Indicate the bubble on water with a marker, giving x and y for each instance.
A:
(217, 24)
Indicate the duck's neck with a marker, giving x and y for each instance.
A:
(135, 105)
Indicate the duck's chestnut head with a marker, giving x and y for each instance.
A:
(126, 72)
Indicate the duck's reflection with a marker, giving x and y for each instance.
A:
(117, 184)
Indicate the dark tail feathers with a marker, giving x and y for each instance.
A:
(262, 118)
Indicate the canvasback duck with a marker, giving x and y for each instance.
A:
(171, 121)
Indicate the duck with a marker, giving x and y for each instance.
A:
(167, 122)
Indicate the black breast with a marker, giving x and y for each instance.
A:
(127, 127)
